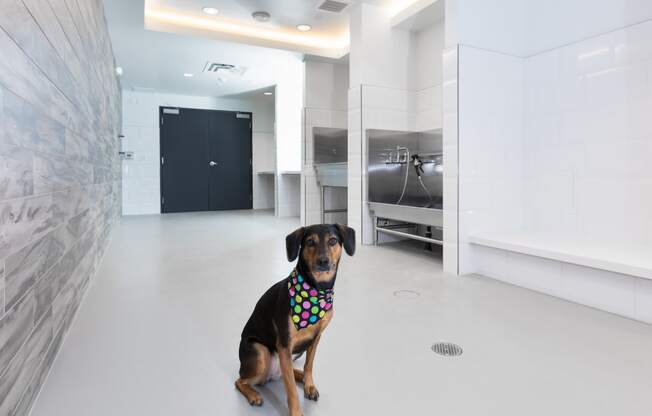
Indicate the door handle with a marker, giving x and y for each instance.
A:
(211, 163)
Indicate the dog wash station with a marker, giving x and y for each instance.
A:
(405, 184)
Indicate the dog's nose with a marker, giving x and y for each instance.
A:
(322, 263)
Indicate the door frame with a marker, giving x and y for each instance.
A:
(160, 146)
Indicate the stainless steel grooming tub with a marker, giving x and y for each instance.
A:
(396, 192)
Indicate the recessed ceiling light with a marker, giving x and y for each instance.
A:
(119, 70)
(210, 10)
(304, 27)
(267, 93)
(260, 16)
(188, 75)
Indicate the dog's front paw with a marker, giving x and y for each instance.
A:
(311, 392)
(255, 400)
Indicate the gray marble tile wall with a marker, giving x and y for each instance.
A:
(60, 191)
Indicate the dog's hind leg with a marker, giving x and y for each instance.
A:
(254, 369)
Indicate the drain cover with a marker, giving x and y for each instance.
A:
(447, 349)
(406, 293)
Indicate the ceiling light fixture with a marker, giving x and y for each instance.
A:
(261, 16)
(210, 10)
(188, 75)
(267, 93)
(304, 27)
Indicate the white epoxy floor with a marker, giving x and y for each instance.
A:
(159, 329)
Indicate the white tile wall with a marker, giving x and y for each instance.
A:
(450, 150)
(327, 89)
(585, 139)
(490, 146)
(589, 137)
(624, 295)
(643, 300)
(524, 28)
(604, 290)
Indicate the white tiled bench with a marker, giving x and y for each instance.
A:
(615, 278)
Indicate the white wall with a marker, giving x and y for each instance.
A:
(141, 176)
(289, 104)
(327, 86)
(528, 27)
(490, 146)
(588, 130)
(426, 68)
(556, 147)
(450, 132)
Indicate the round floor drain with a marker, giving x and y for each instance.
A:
(447, 349)
(406, 293)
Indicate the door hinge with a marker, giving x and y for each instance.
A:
(162, 160)
(162, 200)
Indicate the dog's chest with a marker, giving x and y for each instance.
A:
(305, 336)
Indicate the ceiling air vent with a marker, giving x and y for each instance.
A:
(218, 68)
(333, 6)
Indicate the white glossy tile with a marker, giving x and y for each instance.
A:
(644, 300)
(534, 273)
(601, 289)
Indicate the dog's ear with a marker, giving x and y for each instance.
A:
(347, 234)
(293, 243)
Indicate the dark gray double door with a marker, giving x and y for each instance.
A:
(205, 160)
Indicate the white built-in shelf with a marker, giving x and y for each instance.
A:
(631, 260)
(265, 172)
(291, 172)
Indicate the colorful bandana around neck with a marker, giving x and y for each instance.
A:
(307, 304)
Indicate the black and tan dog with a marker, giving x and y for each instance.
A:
(291, 316)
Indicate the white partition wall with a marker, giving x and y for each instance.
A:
(326, 89)
(289, 105)
(555, 139)
(490, 147)
(451, 158)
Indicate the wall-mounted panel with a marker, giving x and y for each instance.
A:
(60, 186)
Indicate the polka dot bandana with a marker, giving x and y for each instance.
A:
(307, 305)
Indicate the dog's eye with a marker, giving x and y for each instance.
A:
(332, 241)
(310, 243)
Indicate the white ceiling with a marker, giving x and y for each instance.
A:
(155, 53)
(285, 14)
(157, 60)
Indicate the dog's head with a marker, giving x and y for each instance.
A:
(319, 248)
